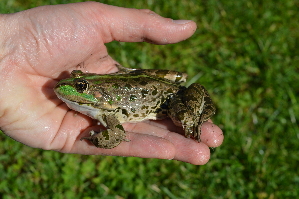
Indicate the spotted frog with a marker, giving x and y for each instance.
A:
(133, 95)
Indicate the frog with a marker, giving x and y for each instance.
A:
(134, 95)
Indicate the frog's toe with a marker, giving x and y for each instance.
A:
(193, 132)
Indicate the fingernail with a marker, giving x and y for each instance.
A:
(181, 21)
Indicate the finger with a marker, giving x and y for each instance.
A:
(140, 145)
(183, 149)
(173, 146)
(211, 134)
(155, 142)
(133, 25)
(146, 127)
(188, 150)
(166, 124)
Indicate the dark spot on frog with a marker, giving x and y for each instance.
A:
(128, 87)
(106, 135)
(155, 92)
(124, 112)
(124, 79)
(110, 102)
(143, 83)
(144, 92)
(116, 86)
(144, 107)
(132, 98)
(119, 126)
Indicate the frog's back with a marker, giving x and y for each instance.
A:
(134, 97)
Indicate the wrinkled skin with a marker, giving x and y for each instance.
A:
(39, 45)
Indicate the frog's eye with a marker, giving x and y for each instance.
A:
(81, 85)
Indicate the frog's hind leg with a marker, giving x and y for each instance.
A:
(191, 107)
(208, 107)
(182, 115)
(199, 102)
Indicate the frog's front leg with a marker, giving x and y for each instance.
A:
(111, 137)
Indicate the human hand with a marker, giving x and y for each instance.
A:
(39, 44)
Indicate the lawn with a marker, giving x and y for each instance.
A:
(245, 53)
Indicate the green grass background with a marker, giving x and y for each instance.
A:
(245, 52)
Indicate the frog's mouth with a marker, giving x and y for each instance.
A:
(86, 109)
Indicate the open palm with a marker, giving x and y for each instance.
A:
(43, 45)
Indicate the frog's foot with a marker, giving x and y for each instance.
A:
(182, 116)
(112, 136)
(193, 131)
(106, 139)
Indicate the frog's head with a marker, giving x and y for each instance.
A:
(75, 90)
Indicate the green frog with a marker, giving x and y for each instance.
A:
(133, 95)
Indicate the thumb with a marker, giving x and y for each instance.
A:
(133, 25)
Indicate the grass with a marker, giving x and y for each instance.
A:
(245, 52)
